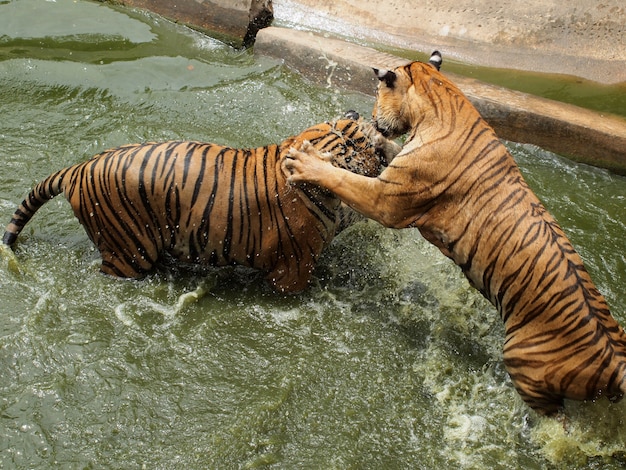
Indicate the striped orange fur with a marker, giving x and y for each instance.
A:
(457, 183)
(207, 204)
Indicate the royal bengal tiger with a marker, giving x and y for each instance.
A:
(202, 203)
(457, 183)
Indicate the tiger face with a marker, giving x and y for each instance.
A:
(401, 100)
(354, 145)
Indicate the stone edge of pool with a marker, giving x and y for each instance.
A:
(590, 137)
(586, 136)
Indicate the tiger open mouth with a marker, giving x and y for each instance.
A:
(385, 131)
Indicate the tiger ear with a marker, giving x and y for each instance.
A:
(386, 76)
(435, 60)
(352, 114)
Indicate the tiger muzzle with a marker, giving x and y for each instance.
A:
(385, 131)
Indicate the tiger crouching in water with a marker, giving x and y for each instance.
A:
(201, 203)
(457, 183)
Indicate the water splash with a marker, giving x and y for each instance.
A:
(8, 260)
(591, 432)
(126, 312)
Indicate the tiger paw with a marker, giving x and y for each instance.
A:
(302, 165)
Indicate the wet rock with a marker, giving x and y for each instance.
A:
(237, 21)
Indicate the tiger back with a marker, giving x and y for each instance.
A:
(205, 204)
(458, 184)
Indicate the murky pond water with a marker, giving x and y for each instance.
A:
(390, 359)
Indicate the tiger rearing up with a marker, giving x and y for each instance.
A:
(457, 183)
(206, 204)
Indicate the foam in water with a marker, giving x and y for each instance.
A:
(591, 431)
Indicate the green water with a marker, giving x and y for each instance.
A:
(390, 360)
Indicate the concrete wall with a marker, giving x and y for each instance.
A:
(580, 134)
(237, 21)
(577, 37)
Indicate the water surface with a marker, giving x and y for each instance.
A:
(389, 360)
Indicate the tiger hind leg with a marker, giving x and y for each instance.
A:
(534, 394)
(117, 266)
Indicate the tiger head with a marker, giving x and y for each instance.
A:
(408, 96)
(350, 143)
(360, 150)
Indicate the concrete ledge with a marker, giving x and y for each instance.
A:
(237, 20)
(577, 133)
(575, 37)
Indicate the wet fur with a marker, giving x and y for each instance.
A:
(457, 183)
(206, 204)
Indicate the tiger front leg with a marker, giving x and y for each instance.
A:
(388, 148)
(363, 194)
